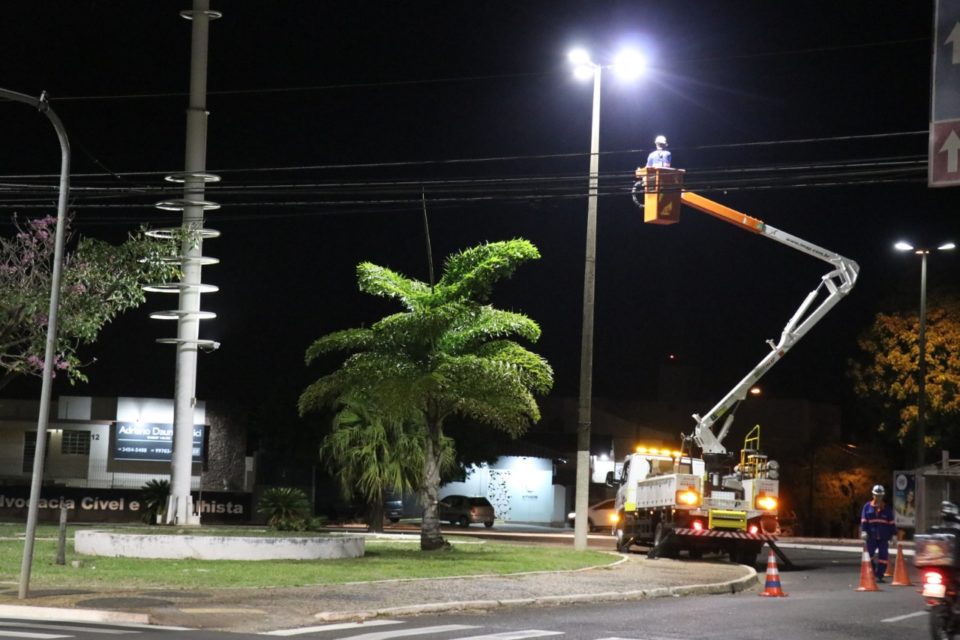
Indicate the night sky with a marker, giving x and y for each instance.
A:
(328, 120)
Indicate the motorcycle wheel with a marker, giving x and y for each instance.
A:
(940, 623)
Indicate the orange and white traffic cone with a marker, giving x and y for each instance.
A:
(867, 580)
(771, 588)
(901, 577)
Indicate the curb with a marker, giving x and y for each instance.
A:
(730, 586)
(25, 611)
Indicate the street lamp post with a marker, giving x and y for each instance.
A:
(629, 64)
(922, 343)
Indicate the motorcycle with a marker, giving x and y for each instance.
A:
(937, 556)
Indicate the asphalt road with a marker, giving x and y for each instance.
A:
(821, 603)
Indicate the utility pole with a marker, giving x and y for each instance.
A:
(46, 388)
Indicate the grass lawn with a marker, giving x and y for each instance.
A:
(384, 559)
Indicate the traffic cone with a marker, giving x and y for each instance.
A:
(867, 581)
(772, 587)
(901, 577)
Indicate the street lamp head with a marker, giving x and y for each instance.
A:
(583, 67)
(947, 246)
(579, 56)
(629, 64)
(583, 71)
(903, 246)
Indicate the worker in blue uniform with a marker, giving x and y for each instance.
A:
(659, 157)
(877, 529)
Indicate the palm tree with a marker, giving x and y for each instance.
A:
(371, 455)
(449, 353)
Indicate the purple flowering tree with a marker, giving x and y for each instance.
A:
(99, 281)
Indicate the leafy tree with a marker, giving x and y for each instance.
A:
(449, 353)
(886, 375)
(371, 455)
(99, 281)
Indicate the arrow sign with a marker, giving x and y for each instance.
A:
(952, 147)
(953, 38)
(943, 153)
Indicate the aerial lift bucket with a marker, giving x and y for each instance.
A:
(662, 187)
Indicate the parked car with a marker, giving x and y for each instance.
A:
(601, 515)
(393, 508)
(464, 511)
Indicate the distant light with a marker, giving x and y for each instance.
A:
(579, 57)
(903, 246)
(755, 391)
(947, 246)
(672, 356)
(604, 456)
(629, 64)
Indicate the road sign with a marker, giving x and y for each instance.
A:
(944, 153)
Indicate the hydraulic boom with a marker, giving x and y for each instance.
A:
(834, 284)
(663, 194)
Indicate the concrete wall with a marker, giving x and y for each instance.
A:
(519, 488)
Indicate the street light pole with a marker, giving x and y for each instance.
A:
(628, 64)
(586, 345)
(46, 388)
(922, 345)
(922, 363)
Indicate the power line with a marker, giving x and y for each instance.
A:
(485, 159)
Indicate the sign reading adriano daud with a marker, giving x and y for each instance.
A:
(151, 441)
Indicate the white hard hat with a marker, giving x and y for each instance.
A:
(878, 490)
(660, 140)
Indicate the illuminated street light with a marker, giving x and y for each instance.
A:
(584, 68)
(922, 342)
(629, 64)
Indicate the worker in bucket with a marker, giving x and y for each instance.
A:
(877, 529)
(659, 157)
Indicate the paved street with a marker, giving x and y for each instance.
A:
(821, 603)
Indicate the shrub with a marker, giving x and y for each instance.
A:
(287, 509)
(154, 496)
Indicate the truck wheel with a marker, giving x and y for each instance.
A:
(623, 543)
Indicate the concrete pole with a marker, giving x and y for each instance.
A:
(46, 388)
(586, 344)
(180, 505)
(922, 364)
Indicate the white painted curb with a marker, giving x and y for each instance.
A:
(27, 612)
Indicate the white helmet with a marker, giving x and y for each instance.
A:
(878, 490)
(660, 140)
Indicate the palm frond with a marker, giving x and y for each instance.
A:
(345, 340)
(472, 273)
(386, 283)
(488, 323)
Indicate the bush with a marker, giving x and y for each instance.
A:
(154, 496)
(287, 509)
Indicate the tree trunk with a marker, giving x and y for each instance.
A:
(431, 537)
(375, 515)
